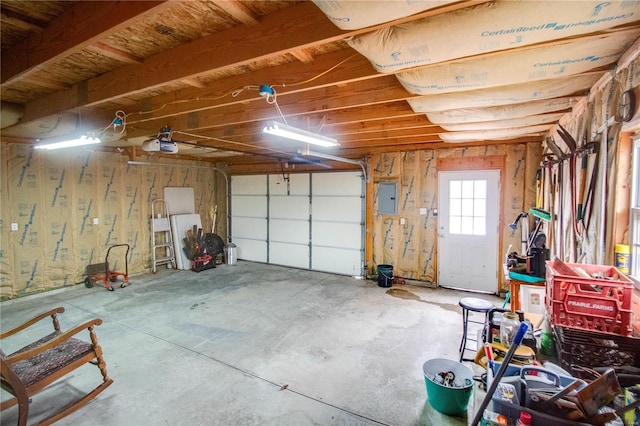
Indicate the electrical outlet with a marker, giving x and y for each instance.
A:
(14, 226)
(423, 211)
(403, 221)
(95, 221)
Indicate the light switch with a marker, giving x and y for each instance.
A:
(95, 221)
(14, 226)
(403, 221)
(423, 211)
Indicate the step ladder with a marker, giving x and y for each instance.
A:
(161, 237)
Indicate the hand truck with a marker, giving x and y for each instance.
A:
(100, 271)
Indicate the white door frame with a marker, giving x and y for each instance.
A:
(468, 230)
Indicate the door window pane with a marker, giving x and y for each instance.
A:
(467, 189)
(455, 189)
(468, 207)
(455, 206)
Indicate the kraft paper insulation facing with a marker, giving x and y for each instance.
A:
(53, 197)
(485, 28)
(412, 247)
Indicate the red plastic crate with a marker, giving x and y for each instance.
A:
(593, 304)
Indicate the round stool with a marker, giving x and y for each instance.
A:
(471, 304)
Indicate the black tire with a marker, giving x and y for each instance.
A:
(123, 285)
(88, 282)
(110, 288)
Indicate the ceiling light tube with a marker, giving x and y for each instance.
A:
(285, 131)
(84, 140)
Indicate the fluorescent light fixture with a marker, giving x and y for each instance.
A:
(84, 140)
(285, 131)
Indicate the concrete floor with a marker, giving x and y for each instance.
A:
(254, 344)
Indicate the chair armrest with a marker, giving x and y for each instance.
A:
(53, 342)
(52, 313)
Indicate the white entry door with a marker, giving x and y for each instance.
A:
(468, 229)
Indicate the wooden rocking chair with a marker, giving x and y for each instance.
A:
(34, 367)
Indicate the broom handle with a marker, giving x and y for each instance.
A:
(505, 363)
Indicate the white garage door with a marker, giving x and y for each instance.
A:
(313, 221)
(337, 222)
(249, 217)
(289, 221)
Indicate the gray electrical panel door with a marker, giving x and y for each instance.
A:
(387, 198)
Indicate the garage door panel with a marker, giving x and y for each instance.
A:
(250, 205)
(341, 261)
(252, 250)
(345, 235)
(247, 227)
(289, 231)
(295, 255)
(298, 185)
(289, 207)
(344, 183)
(249, 185)
(347, 209)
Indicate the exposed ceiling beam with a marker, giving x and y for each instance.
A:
(322, 100)
(275, 35)
(114, 53)
(238, 11)
(81, 25)
(352, 67)
(19, 23)
(221, 51)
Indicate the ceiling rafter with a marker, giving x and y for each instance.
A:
(239, 11)
(275, 35)
(80, 26)
(201, 78)
(114, 53)
(19, 23)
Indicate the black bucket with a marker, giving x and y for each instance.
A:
(385, 275)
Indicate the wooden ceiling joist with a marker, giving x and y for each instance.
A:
(83, 24)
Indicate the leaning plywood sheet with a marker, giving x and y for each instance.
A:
(494, 134)
(351, 15)
(487, 28)
(501, 112)
(506, 95)
(520, 66)
(531, 120)
(180, 225)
